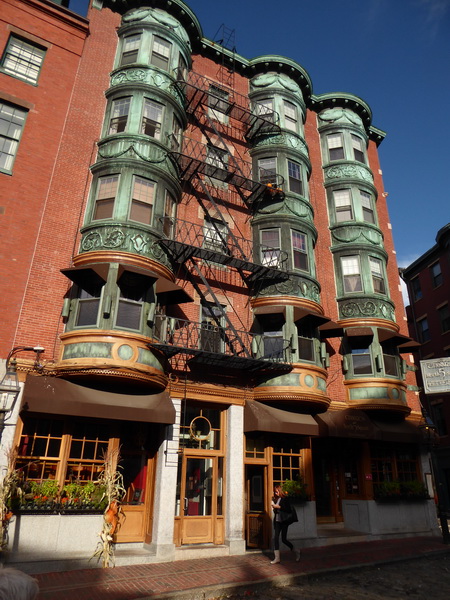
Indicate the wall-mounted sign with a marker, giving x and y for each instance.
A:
(436, 375)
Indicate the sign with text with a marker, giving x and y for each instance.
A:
(436, 375)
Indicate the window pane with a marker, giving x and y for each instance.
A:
(343, 205)
(436, 274)
(129, 314)
(152, 118)
(119, 115)
(23, 59)
(142, 200)
(12, 120)
(361, 361)
(295, 183)
(335, 146)
(87, 312)
(130, 49)
(358, 147)
(267, 170)
(161, 53)
(106, 194)
(299, 247)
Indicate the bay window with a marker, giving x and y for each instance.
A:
(376, 271)
(358, 148)
(367, 207)
(351, 274)
(152, 118)
(290, 116)
(119, 115)
(295, 181)
(142, 200)
(264, 108)
(270, 247)
(299, 250)
(335, 146)
(361, 358)
(133, 288)
(130, 49)
(306, 335)
(160, 53)
(267, 170)
(105, 197)
(343, 205)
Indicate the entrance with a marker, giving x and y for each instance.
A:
(199, 500)
(326, 482)
(257, 522)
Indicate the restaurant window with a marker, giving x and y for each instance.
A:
(255, 445)
(130, 49)
(351, 273)
(343, 205)
(436, 274)
(119, 115)
(160, 53)
(287, 459)
(390, 464)
(106, 196)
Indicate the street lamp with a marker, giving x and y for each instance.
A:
(431, 438)
(9, 385)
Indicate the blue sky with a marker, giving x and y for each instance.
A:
(395, 55)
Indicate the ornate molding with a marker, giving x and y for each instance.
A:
(283, 139)
(347, 234)
(365, 307)
(349, 171)
(274, 80)
(150, 76)
(155, 15)
(340, 115)
(294, 286)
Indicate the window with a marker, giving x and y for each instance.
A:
(438, 416)
(367, 207)
(290, 116)
(119, 115)
(444, 318)
(264, 108)
(423, 330)
(215, 235)
(392, 464)
(358, 148)
(390, 359)
(299, 250)
(335, 146)
(160, 53)
(142, 200)
(343, 205)
(361, 359)
(175, 136)
(152, 118)
(416, 289)
(267, 170)
(217, 161)
(306, 334)
(295, 182)
(377, 275)
(23, 59)
(273, 341)
(106, 195)
(351, 274)
(169, 215)
(12, 120)
(436, 274)
(182, 67)
(88, 305)
(212, 332)
(218, 103)
(71, 448)
(287, 459)
(270, 248)
(130, 49)
(133, 288)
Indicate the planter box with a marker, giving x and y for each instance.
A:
(306, 526)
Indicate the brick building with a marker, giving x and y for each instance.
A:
(212, 274)
(428, 283)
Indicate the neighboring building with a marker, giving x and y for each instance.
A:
(428, 283)
(212, 274)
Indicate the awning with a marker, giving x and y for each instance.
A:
(403, 342)
(260, 417)
(354, 423)
(60, 397)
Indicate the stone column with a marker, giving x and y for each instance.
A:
(234, 528)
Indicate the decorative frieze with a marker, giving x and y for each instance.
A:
(349, 234)
(300, 287)
(149, 75)
(348, 171)
(364, 307)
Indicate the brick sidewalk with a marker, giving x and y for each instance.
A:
(206, 578)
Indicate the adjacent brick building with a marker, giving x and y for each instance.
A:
(211, 270)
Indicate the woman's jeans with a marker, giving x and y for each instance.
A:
(281, 528)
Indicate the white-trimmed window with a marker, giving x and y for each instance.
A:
(358, 148)
(376, 270)
(335, 146)
(343, 205)
(152, 119)
(295, 181)
(299, 250)
(267, 170)
(142, 200)
(23, 59)
(160, 53)
(367, 207)
(351, 274)
(106, 196)
(119, 115)
(290, 116)
(270, 247)
(215, 235)
(130, 49)
(12, 120)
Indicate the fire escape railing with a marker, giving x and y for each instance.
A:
(210, 343)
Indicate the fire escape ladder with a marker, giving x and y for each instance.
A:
(233, 341)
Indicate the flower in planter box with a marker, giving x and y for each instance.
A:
(295, 489)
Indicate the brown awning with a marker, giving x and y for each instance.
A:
(60, 397)
(354, 423)
(330, 329)
(403, 342)
(260, 417)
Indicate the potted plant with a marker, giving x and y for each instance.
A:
(387, 491)
(296, 490)
(42, 495)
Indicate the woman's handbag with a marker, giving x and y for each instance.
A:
(289, 517)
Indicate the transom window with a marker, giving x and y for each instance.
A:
(436, 274)
(119, 115)
(299, 250)
(23, 59)
(160, 53)
(295, 182)
(367, 207)
(152, 118)
(267, 169)
(201, 428)
(270, 248)
(358, 148)
(12, 120)
(335, 146)
(351, 273)
(142, 200)
(290, 116)
(343, 205)
(376, 270)
(130, 49)
(106, 195)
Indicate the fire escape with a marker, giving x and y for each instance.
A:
(197, 248)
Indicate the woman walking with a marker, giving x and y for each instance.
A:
(282, 519)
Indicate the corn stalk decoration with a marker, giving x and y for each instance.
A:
(10, 492)
(112, 481)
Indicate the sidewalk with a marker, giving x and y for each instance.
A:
(210, 578)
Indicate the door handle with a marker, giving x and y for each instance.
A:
(185, 505)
